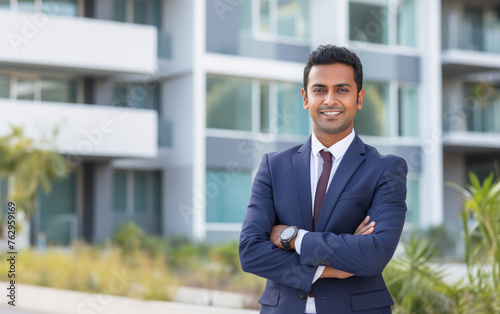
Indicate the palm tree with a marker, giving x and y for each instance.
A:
(28, 166)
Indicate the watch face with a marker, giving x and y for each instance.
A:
(287, 233)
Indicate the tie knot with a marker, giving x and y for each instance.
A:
(326, 155)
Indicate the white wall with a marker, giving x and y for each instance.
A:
(85, 130)
(77, 43)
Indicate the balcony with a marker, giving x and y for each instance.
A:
(470, 38)
(85, 130)
(81, 44)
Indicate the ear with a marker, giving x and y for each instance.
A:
(305, 103)
(361, 96)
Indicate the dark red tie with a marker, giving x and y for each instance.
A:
(322, 184)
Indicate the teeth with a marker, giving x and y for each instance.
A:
(331, 113)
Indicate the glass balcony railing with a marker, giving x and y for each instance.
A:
(479, 112)
(477, 30)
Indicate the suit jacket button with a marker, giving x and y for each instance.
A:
(323, 263)
(318, 262)
(302, 296)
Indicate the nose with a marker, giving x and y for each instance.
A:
(330, 99)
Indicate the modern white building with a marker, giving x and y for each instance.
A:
(166, 107)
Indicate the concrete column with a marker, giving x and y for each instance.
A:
(103, 201)
(431, 192)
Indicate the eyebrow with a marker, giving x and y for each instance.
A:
(336, 85)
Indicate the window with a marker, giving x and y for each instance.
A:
(227, 195)
(412, 200)
(383, 22)
(4, 4)
(408, 111)
(481, 29)
(61, 7)
(119, 191)
(135, 95)
(292, 118)
(4, 86)
(58, 218)
(138, 11)
(25, 89)
(389, 110)
(52, 7)
(58, 90)
(482, 107)
(473, 29)
(254, 105)
(373, 118)
(283, 18)
(137, 192)
(229, 103)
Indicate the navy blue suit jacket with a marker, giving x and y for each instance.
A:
(366, 183)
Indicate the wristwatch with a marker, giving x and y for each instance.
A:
(287, 235)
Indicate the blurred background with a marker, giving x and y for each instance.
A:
(162, 109)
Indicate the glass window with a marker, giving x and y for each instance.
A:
(227, 195)
(369, 23)
(265, 122)
(120, 96)
(25, 89)
(4, 4)
(4, 87)
(406, 23)
(264, 16)
(473, 35)
(140, 12)
(408, 111)
(119, 10)
(58, 220)
(373, 118)
(26, 5)
(58, 90)
(412, 200)
(139, 192)
(292, 118)
(292, 18)
(156, 200)
(61, 7)
(229, 103)
(482, 107)
(120, 191)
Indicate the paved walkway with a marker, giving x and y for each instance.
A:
(34, 299)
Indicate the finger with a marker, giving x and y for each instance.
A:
(362, 225)
(369, 229)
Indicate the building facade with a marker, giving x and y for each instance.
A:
(168, 106)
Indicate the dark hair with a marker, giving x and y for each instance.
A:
(328, 54)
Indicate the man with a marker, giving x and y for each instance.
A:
(306, 227)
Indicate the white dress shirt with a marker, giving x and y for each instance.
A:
(338, 151)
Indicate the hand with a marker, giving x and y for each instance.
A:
(274, 237)
(364, 228)
(330, 272)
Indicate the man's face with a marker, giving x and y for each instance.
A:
(332, 100)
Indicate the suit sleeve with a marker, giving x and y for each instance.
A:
(365, 255)
(258, 255)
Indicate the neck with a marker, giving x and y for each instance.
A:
(328, 139)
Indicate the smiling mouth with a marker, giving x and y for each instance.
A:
(331, 114)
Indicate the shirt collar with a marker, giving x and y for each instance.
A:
(338, 149)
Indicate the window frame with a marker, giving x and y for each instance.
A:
(392, 25)
(273, 113)
(272, 35)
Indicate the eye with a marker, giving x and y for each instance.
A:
(342, 90)
(318, 90)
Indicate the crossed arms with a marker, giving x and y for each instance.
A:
(363, 254)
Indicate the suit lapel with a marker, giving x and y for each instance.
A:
(350, 162)
(301, 167)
